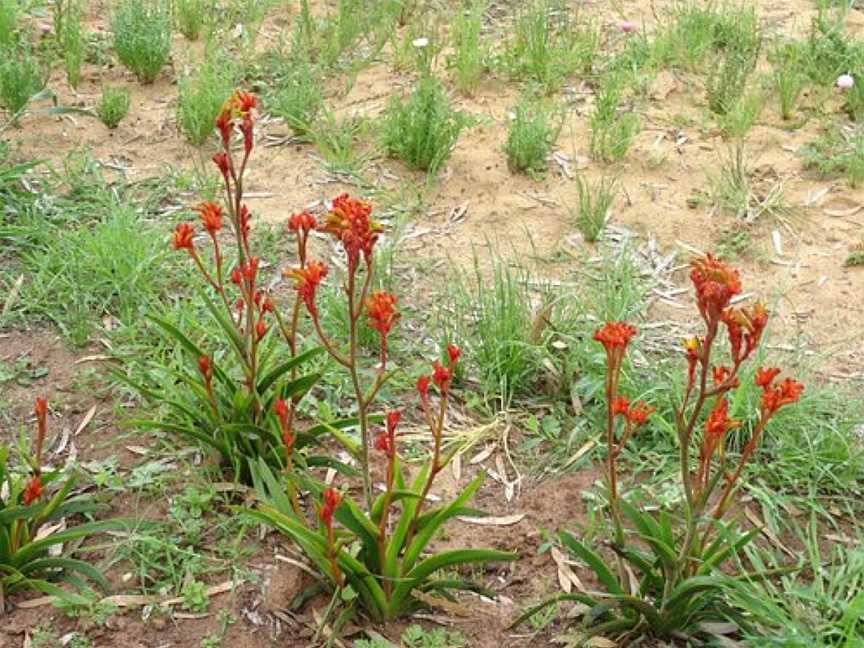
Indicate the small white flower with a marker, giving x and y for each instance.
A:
(420, 42)
(845, 81)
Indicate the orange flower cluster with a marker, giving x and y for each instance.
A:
(349, 223)
(331, 498)
(716, 284)
(211, 217)
(745, 327)
(615, 336)
(717, 425)
(281, 409)
(238, 106)
(183, 234)
(382, 315)
(33, 491)
(386, 441)
(776, 395)
(307, 281)
(302, 224)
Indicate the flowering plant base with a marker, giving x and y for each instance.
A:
(678, 558)
(26, 563)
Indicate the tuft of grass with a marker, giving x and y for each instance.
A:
(788, 78)
(700, 29)
(201, 96)
(612, 131)
(190, 15)
(113, 106)
(828, 52)
(735, 192)
(8, 24)
(469, 52)
(738, 121)
(495, 321)
(422, 130)
(142, 36)
(67, 26)
(856, 256)
(837, 152)
(594, 203)
(297, 98)
(335, 139)
(549, 43)
(533, 130)
(728, 79)
(21, 76)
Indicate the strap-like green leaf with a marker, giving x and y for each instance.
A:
(285, 367)
(604, 574)
(67, 564)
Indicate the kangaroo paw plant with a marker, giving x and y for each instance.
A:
(31, 537)
(239, 398)
(664, 577)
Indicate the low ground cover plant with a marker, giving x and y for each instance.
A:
(664, 578)
(142, 36)
(34, 498)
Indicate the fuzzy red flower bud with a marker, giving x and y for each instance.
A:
(183, 233)
(453, 353)
(205, 367)
(33, 490)
(639, 413)
(349, 223)
(236, 276)
(331, 500)
(211, 216)
(423, 386)
(775, 396)
(307, 281)
(441, 376)
(302, 222)
(381, 311)
(222, 162)
(721, 375)
(382, 443)
(614, 336)
(620, 406)
(393, 418)
(716, 283)
(260, 329)
(250, 270)
(765, 376)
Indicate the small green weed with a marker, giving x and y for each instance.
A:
(297, 98)
(8, 24)
(22, 75)
(467, 62)
(594, 203)
(113, 106)
(190, 15)
(423, 129)
(700, 29)
(788, 78)
(735, 192)
(837, 152)
(142, 36)
(612, 131)
(549, 43)
(67, 25)
(202, 94)
(532, 133)
(737, 122)
(728, 78)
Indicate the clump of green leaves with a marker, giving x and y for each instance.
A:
(113, 105)
(828, 52)
(738, 121)
(788, 77)
(728, 79)
(423, 129)
(469, 53)
(8, 24)
(837, 152)
(612, 131)
(532, 133)
(201, 96)
(296, 97)
(700, 29)
(594, 203)
(21, 76)
(67, 26)
(549, 43)
(190, 16)
(856, 256)
(142, 36)
(34, 501)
